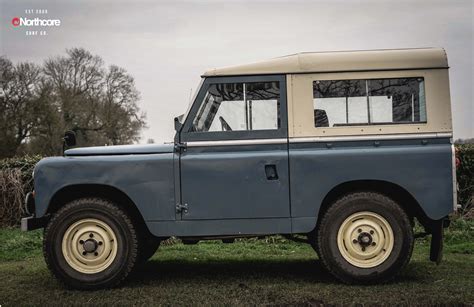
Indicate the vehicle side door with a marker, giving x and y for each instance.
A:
(235, 162)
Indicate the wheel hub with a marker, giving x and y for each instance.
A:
(90, 245)
(364, 239)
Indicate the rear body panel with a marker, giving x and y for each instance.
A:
(422, 167)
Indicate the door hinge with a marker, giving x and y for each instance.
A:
(180, 146)
(182, 208)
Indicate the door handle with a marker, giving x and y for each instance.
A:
(271, 172)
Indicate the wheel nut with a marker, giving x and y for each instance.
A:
(359, 230)
(371, 232)
(100, 243)
(81, 241)
(373, 243)
(96, 253)
(354, 241)
(84, 253)
(363, 249)
(91, 235)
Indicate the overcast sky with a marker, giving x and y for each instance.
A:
(167, 45)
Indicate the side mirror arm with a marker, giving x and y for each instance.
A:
(177, 124)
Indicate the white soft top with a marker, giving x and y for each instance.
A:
(339, 61)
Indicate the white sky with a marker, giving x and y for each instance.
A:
(166, 45)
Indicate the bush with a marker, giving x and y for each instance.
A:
(16, 181)
(465, 178)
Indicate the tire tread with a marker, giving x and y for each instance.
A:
(327, 220)
(105, 204)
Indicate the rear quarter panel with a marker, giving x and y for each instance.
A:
(421, 167)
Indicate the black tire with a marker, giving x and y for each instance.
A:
(313, 241)
(106, 212)
(327, 238)
(147, 246)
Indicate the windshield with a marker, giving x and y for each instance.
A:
(239, 106)
(183, 117)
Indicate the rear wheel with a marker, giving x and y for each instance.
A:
(365, 237)
(90, 244)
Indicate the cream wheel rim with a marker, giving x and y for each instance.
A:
(365, 239)
(89, 246)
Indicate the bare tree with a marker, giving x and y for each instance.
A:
(72, 92)
(120, 114)
(19, 104)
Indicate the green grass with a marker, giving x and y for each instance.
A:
(246, 272)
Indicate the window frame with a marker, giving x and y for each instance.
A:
(369, 123)
(282, 132)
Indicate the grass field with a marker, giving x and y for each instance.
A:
(271, 271)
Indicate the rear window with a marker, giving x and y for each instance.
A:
(369, 102)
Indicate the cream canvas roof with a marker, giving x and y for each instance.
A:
(394, 59)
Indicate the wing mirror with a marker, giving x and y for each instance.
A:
(69, 139)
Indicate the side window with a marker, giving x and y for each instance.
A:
(340, 101)
(368, 102)
(239, 107)
(397, 100)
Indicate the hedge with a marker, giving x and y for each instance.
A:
(16, 181)
(465, 179)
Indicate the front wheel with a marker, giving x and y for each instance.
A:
(365, 237)
(90, 244)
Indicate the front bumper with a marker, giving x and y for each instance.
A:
(32, 223)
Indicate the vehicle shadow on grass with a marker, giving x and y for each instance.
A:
(305, 271)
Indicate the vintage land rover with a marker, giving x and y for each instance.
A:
(344, 148)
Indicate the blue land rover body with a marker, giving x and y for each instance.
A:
(347, 148)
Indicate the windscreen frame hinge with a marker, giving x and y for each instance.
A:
(181, 208)
(180, 146)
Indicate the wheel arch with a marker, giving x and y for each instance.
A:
(400, 195)
(113, 194)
